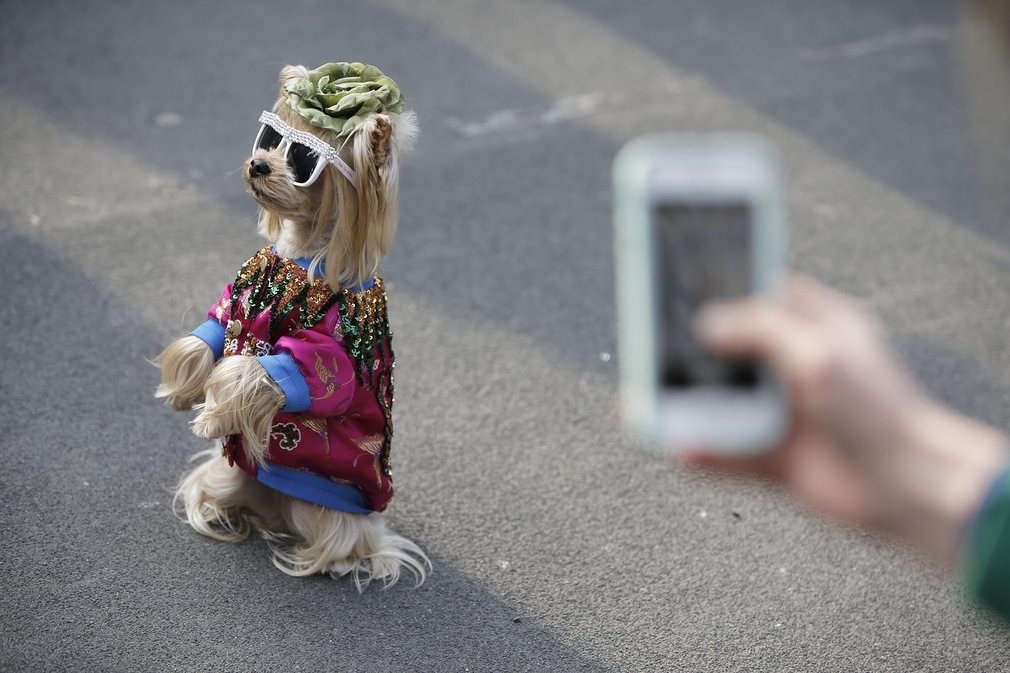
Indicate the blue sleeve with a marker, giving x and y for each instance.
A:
(283, 370)
(212, 333)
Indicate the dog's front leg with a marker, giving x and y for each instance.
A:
(242, 399)
(185, 365)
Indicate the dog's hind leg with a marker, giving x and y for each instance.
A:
(336, 543)
(223, 502)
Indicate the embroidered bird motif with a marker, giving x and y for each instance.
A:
(327, 377)
(372, 446)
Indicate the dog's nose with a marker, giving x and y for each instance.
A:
(259, 167)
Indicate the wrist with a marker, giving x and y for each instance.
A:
(211, 333)
(936, 478)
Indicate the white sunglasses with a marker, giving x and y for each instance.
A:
(306, 154)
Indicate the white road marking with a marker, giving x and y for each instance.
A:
(894, 39)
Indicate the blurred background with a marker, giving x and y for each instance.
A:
(557, 545)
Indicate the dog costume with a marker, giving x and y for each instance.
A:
(331, 354)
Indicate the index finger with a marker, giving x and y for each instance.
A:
(759, 327)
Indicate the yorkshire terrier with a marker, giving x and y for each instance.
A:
(292, 372)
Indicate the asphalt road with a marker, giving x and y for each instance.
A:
(557, 545)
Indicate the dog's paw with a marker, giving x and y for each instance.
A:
(178, 400)
(185, 366)
(240, 399)
(212, 421)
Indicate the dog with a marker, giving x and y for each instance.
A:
(291, 373)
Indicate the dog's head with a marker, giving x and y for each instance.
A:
(325, 167)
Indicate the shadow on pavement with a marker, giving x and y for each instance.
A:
(99, 575)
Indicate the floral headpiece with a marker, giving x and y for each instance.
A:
(339, 97)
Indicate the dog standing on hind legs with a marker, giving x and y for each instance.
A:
(293, 368)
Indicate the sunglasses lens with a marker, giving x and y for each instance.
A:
(303, 161)
(268, 139)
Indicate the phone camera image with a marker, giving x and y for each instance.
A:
(703, 254)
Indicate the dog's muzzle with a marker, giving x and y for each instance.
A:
(258, 167)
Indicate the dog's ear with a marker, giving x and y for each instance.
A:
(380, 134)
(360, 241)
(290, 72)
(367, 218)
(376, 153)
(405, 131)
(389, 137)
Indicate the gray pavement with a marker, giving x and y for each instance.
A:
(557, 545)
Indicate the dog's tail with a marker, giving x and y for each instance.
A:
(336, 543)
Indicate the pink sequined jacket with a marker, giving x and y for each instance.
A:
(330, 353)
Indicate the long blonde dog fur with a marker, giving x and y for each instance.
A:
(345, 229)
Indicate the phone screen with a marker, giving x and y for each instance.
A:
(704, 253)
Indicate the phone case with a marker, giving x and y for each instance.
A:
(696, 168)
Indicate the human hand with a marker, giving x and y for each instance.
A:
(865, 446)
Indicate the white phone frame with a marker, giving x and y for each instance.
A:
(693, 169)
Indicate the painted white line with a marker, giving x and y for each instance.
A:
(895, 39)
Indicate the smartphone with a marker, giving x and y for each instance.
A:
(696, 219)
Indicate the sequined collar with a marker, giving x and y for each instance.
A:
(305, 262)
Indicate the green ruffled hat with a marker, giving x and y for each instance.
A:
(338, 97)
